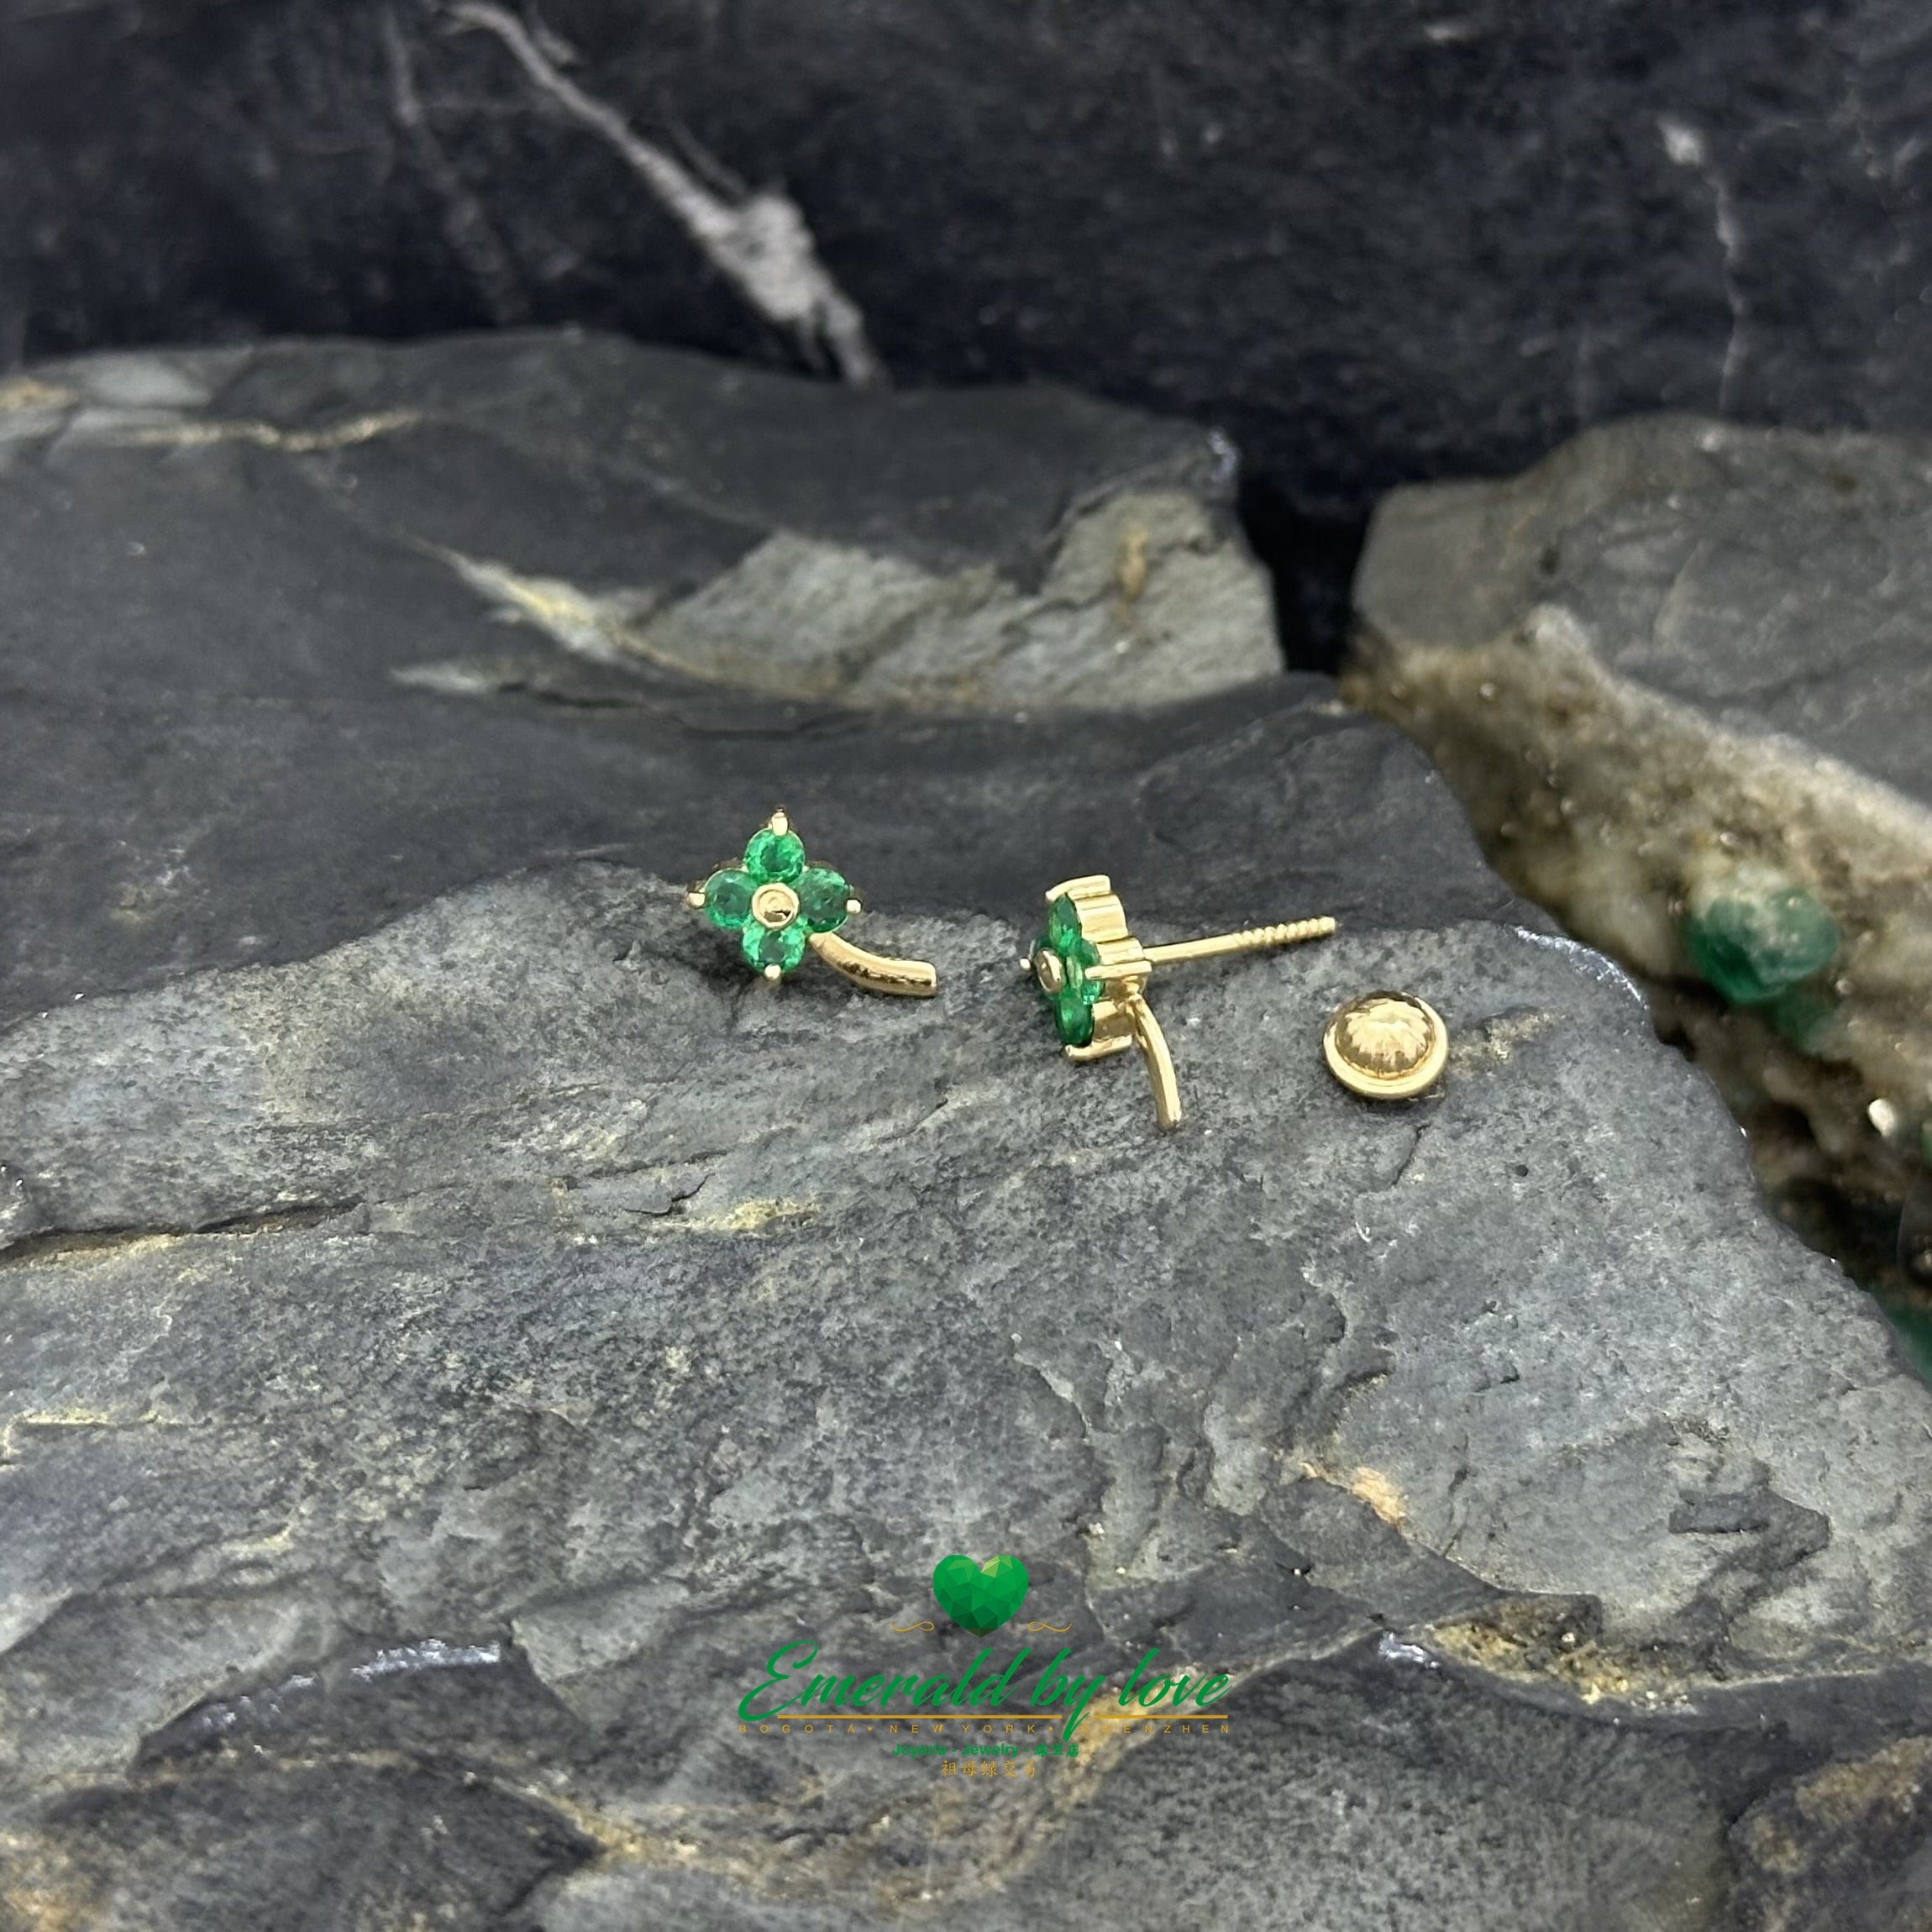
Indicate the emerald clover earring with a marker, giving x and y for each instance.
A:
(1094, 974)
(776, 905)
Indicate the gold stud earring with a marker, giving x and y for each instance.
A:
(1387, 1046)
(1094, 974)
(775, 905)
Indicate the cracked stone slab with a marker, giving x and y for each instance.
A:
(572, 1319)
(634, 505)
(1678, 671)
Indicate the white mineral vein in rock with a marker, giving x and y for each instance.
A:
(759, 243)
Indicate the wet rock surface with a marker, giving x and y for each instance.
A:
(449, 1354)
(1677, 674)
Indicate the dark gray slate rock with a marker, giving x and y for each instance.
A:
(581, 1321)
(640, 506)
(1375, 243)
(1680, 664)
(446, 1353)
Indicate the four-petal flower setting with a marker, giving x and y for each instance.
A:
(774, 903)
(1060, 958)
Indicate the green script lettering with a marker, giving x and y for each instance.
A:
(867, 1686)
(836, 1691)
(1055, 1684)
(1213, 1688)
(776, 1677)
(1052, 1685)
(995, 1688)
(964, 1695)
(1127, 1688)
(1080, 1689)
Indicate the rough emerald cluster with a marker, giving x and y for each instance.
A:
(773, 925)
(1073, 1003)
(1753, 947)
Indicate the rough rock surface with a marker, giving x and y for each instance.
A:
(1680, 665)
(458, 1325)
(577, 1321)
(637, 505)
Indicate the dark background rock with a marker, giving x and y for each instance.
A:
(1375, 243)
(1678, 661)
(1778, 585)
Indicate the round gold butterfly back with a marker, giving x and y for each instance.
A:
(1387, 1046)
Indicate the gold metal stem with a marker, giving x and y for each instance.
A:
(1254, 939)
(912, 978)
(1153, 1044)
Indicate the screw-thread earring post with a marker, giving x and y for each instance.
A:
(1254, 939)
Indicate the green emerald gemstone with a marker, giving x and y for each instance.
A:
(783, 946)
(1073, 1017)
(728, 899)
(1062, 924)
(1073, 1006)
(822, 896)
(1753, 948)
(775, 856)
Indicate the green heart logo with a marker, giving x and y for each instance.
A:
(979, 1597)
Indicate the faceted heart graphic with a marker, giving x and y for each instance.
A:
(979, 1597)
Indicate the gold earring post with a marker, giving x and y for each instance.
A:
(1254, 939)
(1094, 974)
(1153, 1044)
(909, 979)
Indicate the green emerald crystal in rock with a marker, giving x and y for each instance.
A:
(822, 896)
(1803, 1016)
(782, 947)
(1754, 947)
(775, 856)
(1073, 1006)
(728, 899)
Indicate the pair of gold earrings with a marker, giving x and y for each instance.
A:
(1091, 970)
